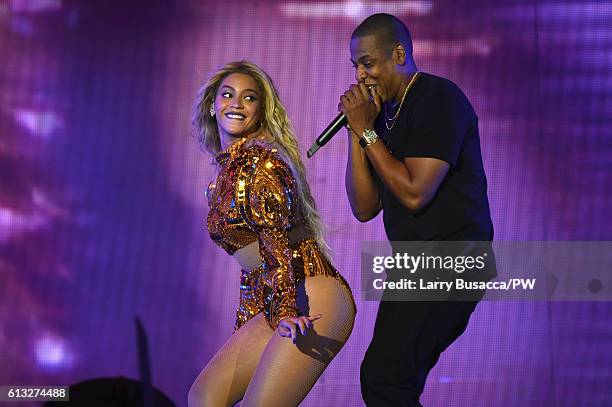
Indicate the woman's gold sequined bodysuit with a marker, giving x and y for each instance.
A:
(255, 199)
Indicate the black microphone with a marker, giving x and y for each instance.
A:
(333, 128)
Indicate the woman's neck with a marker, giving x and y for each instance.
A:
(227, 141)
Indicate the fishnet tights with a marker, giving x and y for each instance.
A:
(264, 369)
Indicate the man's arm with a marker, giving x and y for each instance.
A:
(414, 181)
(361, 188)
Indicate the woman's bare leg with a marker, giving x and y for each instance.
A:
(287, 371)
(225, 378)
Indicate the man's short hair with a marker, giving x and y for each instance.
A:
(388, 31)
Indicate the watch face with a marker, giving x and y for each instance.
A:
(370, 136)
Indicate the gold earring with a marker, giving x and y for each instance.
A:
(212, 111)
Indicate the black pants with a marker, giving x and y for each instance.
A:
(408, 340)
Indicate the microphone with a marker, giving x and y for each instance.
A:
(333, 128)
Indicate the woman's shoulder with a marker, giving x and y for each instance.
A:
(262, 146)
(272, 187)
(267, 155)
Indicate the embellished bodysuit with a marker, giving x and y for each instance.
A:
(254, 199)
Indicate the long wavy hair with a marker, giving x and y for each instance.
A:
(275, 127)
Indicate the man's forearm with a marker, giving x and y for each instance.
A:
(361, 189)
(413, 181)
(393, 174)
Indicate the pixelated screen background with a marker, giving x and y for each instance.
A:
(102, 212)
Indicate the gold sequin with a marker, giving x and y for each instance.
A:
(254, 198)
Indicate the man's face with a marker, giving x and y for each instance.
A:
(373, 65)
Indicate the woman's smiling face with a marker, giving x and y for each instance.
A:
(238, 106)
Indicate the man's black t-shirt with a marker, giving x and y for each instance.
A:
(437, 120)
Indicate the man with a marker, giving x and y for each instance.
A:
(414, 153)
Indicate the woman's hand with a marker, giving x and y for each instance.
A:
(287, 327)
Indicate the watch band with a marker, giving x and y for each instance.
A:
(368, 138)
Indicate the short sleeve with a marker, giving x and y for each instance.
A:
(439, 122)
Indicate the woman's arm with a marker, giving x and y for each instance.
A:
(272, 197)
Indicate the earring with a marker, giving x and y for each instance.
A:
(212, 111)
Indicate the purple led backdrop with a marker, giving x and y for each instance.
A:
(101, 184)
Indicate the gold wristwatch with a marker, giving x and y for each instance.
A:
(368, 138)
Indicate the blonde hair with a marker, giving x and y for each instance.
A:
(275, 127)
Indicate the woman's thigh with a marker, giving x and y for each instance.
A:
(287, 371)
(225, 378)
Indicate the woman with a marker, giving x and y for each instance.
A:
(295, 311)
